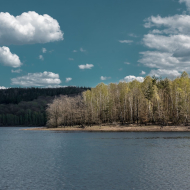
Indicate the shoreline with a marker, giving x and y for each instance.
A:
(134, 128)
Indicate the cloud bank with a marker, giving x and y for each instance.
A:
(169, 44)
(37, 79)
(28, 28)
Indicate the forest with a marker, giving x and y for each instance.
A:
(153, 101)
(27, 106)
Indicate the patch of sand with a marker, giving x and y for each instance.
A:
(130, 128)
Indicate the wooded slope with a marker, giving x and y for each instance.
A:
(26, 106)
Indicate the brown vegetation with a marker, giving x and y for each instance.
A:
(154, 101)
(130, 128)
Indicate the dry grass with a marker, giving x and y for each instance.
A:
(130, 128)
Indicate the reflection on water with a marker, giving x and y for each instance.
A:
(48, 160)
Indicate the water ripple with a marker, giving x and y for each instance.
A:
(46, 160)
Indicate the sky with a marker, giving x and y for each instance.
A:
(55, 43)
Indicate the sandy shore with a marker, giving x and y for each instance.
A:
(130, 128)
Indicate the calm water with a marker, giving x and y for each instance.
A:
(43, 160)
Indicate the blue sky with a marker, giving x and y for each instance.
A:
(49, 43)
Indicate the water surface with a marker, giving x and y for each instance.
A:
(47, 160)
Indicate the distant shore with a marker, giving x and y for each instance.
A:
(130, 128)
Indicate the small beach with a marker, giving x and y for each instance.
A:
(130, 128)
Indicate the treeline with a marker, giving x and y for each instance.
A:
(30, 113)
(26, 106)
(154, 101)
(16, 95)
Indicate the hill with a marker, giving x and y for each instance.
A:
(26, 106)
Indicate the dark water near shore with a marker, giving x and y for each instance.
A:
(44, 160)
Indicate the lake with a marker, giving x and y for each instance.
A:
(44, 160)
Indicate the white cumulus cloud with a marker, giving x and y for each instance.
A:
(132, 77)
(167, 43)
(157, 59)
(9, 59)
(169, 40)
(173, 24)
(2, 87)
(87, 66)
(37, 79)
(28, 28)
(165, 73)
(68, 79)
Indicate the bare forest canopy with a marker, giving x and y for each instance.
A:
(26, 106)
(154, 101)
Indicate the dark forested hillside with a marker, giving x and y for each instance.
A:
(26, 106)
(16, 95)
